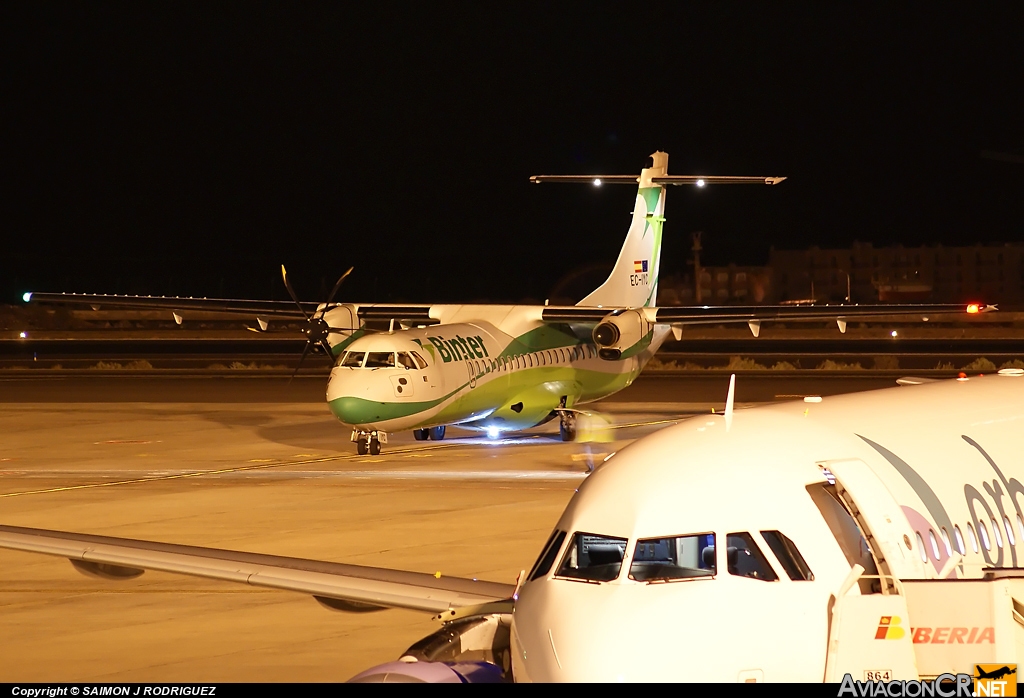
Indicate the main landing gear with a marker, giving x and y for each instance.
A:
(567, 425)
(368, 441)
(432, 433)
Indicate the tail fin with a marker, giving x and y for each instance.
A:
(633, 282)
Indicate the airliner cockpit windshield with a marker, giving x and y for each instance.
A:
(673, 558)
(353, 359)
(593, 558)
(382, 359)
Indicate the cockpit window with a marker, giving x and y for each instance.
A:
(420, 361)
(746, 559)
(405, 360)
(547, 556)
(792, 561)
(593, 558)
(678, 557)
(353, 359)
(380, 359)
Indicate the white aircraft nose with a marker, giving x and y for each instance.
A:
(582, 632)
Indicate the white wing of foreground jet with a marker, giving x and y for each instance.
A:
(352, 588)
(496, 368)
(878, 534)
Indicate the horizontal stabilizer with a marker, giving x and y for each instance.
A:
(674, 180)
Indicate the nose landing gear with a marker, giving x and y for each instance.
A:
(368, 441)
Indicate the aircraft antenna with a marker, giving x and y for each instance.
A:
(729, 401)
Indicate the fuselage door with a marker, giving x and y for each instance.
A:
(880, 518)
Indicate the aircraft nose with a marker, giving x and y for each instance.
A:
(346, 400)
(569, 631)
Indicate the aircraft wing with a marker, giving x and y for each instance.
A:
(711, 314)
(280, 310)
(339, 586)
(427, 314)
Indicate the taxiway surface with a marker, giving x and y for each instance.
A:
(258, 466)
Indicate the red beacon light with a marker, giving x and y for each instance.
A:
(973, 308)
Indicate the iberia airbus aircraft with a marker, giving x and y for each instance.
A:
(496, 368)
(876, 535)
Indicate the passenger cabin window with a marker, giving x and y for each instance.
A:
(786, 551)
(959, 540)
(945, 541)
(547, 555)
(380, 359)
(746, 559)
(593, 558)
(675, 558)
(983, 532)
(995, 533)
(974, 539)
(353, 359)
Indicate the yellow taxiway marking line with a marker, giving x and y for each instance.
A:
(221, 471)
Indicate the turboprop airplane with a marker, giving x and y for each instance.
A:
(872, 535)
(496, 368)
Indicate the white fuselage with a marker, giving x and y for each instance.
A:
(927, 463)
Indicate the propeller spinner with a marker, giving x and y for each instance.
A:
(317, 330)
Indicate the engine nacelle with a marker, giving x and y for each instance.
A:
(621, 335)
(469, 650)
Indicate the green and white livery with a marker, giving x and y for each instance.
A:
(497, 368)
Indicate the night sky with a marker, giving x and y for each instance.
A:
(191, 148)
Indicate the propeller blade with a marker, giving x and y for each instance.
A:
(327, 348)
(336, 287)
(304, 352)
(291, 291)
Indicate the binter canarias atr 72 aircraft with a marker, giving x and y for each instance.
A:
(497, 368)
(877, 535)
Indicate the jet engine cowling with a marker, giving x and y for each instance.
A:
(621, 335)
(468, 650)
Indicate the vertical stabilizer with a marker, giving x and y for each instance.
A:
(633, 282)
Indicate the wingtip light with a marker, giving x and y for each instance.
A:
(27, 296)
(973, 308)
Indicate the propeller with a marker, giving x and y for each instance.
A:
(316, 329)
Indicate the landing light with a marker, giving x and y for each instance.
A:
(27, 296)
(700, 182)
(493, 433)
(23, 335)
(597, 182)
(893, 333)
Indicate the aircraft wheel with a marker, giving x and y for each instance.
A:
(374, 447)
(421, 434)
(567, 427)
(361, 446)
(437, 433)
